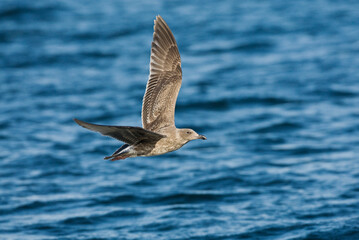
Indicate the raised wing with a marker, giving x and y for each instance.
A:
(130, 135)
(159, 102)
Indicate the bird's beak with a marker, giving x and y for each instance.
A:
(202, 137)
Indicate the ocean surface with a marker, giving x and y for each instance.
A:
(273, 85)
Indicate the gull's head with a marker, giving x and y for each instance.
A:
(189, 134)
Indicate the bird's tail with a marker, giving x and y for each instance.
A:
(120, 153)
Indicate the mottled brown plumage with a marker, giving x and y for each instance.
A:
(165, 79)
(159, 134)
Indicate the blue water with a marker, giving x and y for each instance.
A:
(274, 85)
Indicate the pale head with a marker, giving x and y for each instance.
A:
(189, 134)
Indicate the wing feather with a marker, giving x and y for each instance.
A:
(130, 135)
(165, 79)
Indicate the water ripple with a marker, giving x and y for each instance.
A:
(273, 85)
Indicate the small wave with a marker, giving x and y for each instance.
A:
(129, 198)
(349, 230)
(180, 198)
(161, 226)
(218, 182)
(305, 149)
(24, 12)
(107, 35)
(278, 127)
(274, 230)
(87, 220)
(25, 206)
(227, 103)
(317, 215)
(31, 205)
(248, 47)
(335, 93)
(35, 206)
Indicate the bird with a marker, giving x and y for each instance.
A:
(158, 134)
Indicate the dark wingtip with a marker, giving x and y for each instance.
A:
(77, 121)
(81, 123)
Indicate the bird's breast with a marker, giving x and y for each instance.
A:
(166, 145)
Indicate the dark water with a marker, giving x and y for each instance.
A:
(274, 85)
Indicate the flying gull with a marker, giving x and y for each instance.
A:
(159, 134)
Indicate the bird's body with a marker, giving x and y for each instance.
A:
(159, 134)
